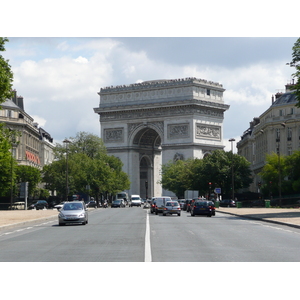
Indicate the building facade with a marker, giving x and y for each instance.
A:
(276, 130)
(151, 123)
(35, 145)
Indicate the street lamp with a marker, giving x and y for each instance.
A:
(66, 141)
(232, 173)
(146, 186)
(279, 167)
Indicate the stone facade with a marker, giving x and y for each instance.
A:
(150, 123)
(275, 130)
(35, 145)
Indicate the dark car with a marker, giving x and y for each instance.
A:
(188, 205)
(181, 203)
(38, 204)
(203, 207)
(118, 203)
(227, 203)
(92, 203)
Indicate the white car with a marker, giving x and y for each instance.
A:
(135, 200)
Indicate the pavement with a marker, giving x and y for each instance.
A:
(286, 216)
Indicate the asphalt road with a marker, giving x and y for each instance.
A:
(134, 235)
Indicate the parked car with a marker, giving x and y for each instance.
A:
(17, 205)
(73, 212)
(135, 200)
(118, 203)
(172, 207)
(227, 202)
(38, 204)
(92, 203)
(202, 207)
(59, 206)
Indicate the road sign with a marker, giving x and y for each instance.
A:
(218, 190)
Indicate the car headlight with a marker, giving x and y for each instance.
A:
(61, 215)
(81, 215)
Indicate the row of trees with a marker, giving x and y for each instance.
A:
(281, 171)
(90, 169)
(217, 170)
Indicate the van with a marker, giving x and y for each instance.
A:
(135, 200)
(158, 204)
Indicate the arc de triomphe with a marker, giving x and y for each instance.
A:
(148, 124)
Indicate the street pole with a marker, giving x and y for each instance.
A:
(232, 171)
(66, 141)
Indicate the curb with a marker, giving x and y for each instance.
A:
(259, 219)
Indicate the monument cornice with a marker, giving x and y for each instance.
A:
(168, 104)
(161, 111)
(165, 83)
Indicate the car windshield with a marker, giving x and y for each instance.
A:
(172, 204)
(198, 203)
(73, 206)
(117, 201)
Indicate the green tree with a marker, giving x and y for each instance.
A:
(88, 165)
(296, 64)
(270, 174)
(31, 175)
(292, 168)
(216, 168)
(8, 164)
(175, 176)
(6, 75)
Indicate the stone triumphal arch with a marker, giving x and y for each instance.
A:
(150, 123)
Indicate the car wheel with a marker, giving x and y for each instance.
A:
(164, 214)
(156, 212)
(61, 224)
(209, 215)
(179, 215)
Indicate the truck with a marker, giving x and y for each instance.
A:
(191, 194)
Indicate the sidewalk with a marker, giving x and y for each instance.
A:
(10, 218)
(286, 216)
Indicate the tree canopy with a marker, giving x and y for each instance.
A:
(6, 75)
(204, 175)
(296, 64)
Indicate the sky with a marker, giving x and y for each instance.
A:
(59, 77)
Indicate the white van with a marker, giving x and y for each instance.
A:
(158, 204)
(135, 200)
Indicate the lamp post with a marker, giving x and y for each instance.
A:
(146, 186)
(232, 172)
(66, 141)
(279, 167)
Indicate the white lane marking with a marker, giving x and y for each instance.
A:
(148, 256)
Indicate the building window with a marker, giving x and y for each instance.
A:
(289, 134)
(280, 112)
(208, 92)
(277, 134)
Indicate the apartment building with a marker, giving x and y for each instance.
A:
(35, 145)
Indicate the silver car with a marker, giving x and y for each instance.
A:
(73, 212)
(172, 207)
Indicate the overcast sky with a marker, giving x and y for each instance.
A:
(59, 77)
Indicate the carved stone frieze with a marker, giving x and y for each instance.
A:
(208, 132)
(113, 135)
(178, 131)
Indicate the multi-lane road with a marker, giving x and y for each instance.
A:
(135, 235)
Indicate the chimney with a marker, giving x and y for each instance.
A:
(20, 102)
(272, 99)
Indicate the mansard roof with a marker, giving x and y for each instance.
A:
(286, 98)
